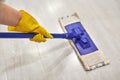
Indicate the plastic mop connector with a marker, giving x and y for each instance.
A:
(82, 40)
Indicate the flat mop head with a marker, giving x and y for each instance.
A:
(87, 51)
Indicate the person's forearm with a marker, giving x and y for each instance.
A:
(8, 15)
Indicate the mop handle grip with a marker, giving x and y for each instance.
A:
(30, 35)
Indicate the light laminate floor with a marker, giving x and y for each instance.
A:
(55, 59)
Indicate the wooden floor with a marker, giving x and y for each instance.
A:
(55, 59)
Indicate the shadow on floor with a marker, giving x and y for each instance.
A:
(29, 58)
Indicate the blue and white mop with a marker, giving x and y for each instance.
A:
(88, 53)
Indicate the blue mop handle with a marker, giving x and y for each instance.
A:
(31, 35)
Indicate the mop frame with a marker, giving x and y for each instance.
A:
(92, 60)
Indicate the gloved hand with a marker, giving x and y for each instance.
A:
(28, 24)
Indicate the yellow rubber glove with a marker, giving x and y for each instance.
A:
(29, 24)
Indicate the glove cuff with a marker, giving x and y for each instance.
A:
(27, 23)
